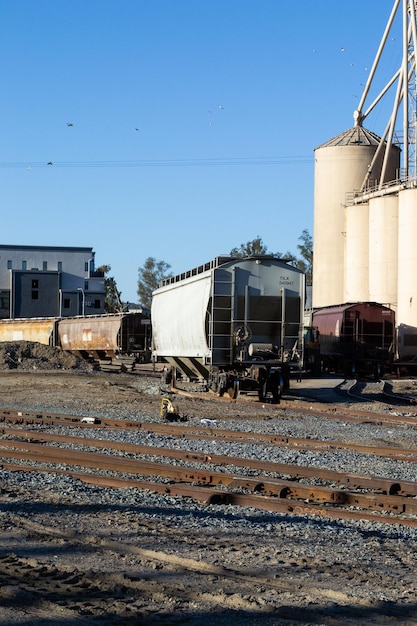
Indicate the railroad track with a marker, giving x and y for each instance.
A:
(378, 393)
(381, 392)
(284, 488)
(209, 432)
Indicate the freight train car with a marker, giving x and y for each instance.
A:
(40, 330)
(356, 339)
(101, 336)
(91, 337)
(233, 323)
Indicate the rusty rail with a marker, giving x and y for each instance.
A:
(200, 432)
(267, 493)
(354, 481)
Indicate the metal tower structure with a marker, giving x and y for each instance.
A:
(404, 102)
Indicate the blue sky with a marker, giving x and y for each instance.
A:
(194, 123)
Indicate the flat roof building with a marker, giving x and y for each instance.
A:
(49, 281)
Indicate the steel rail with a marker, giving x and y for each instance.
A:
(280, 488)
(347, 414)
(210, 497)
(382, 395)
(354, 481)
(210, 433)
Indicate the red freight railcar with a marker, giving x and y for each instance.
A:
(356, 338)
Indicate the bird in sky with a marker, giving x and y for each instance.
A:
(49, 163)
(70, 124)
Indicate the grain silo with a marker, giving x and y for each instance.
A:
(365, 194)
(356, 276)
(407, 258)
(383, 249)
(341, 166)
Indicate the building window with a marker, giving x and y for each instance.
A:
(59, 266)
(45, 266)
(86, 266)
(67, 303)
(9, 265)
(24, 265)
(97, 304)
(35, 287)
(86, 285)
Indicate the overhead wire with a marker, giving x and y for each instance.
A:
(236, 161)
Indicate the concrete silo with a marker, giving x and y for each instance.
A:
(407, 263)
(356, 263)
(365, 194)
(341, 166)
(383, 249)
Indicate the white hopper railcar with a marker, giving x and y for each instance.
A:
(234, 323)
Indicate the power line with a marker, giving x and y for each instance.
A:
(235, 161)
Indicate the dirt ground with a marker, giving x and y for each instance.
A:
(70, 556)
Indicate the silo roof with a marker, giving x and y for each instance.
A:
(356, 136)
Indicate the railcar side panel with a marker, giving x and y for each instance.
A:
(89, 333)
(178, 318)
(39, 330)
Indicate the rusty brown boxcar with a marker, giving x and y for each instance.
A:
(103, 336)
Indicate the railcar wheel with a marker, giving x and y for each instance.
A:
(262, 391)
(276, 393)
(232, 386)
(277, 385)
(378, 371)
(349, 369)
(262, 384)
(272, 384)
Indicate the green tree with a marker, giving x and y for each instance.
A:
(112, 296)
(306, 262)
(252, 248)
(149, 277)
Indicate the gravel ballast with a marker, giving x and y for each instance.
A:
(125, 556)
